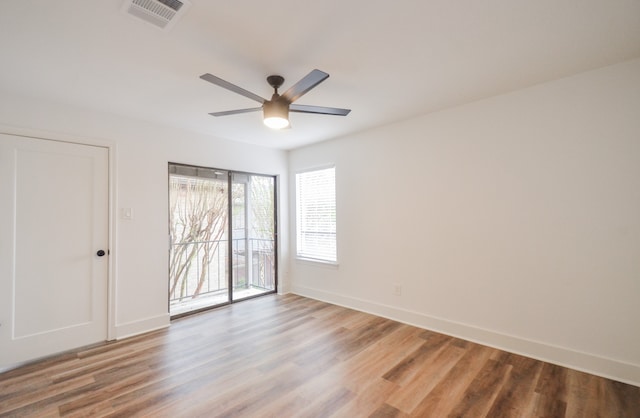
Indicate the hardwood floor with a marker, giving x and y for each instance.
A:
(288, 356)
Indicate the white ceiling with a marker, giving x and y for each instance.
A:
(388, 60)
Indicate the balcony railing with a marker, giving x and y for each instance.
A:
(200, 269)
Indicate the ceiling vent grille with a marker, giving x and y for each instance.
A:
(160, 13)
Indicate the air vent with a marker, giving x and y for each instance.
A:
(160, 13)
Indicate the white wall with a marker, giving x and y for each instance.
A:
(142, 151)
(512, 221)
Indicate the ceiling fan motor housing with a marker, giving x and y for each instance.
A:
(276, 108)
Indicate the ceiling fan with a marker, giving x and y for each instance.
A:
(276, 111)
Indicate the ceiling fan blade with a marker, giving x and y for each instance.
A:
(308, 82)
(319, 109)
(225, 84)
(235, 112)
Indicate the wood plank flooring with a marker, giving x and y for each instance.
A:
(288, 356)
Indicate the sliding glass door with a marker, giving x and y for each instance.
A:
(253, 243)
(222, 237)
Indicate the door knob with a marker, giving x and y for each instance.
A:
(100, 253)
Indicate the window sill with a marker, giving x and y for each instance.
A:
(318, 263)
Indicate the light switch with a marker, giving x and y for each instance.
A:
(126, 214)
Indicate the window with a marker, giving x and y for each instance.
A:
(316, 215)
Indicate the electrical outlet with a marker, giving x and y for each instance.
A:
(397, 289)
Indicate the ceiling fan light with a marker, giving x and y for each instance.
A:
(276, 114)
(276, 123)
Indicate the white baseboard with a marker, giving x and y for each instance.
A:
(129, 329)
(589, 363)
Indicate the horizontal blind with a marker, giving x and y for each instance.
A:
(316, 214)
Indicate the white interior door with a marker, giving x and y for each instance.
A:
(53, 222)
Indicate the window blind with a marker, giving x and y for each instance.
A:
(316, 215)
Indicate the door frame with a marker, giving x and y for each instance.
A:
(111, 210)
(276, 236)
